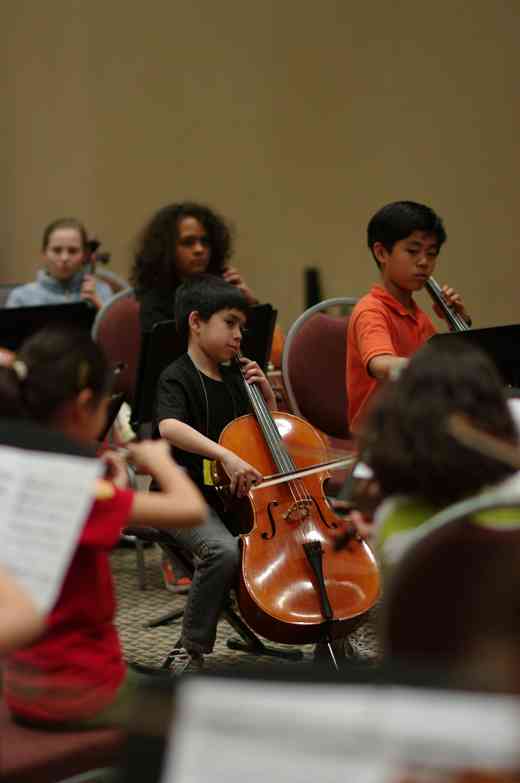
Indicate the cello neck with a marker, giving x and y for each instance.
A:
(456, 321)
(267, 424)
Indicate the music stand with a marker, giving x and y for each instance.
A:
(19, 323)
(163, 345)
(500, 343)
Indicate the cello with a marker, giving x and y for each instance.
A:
(295, 586)
(455, 321)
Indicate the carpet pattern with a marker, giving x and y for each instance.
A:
(151, 646)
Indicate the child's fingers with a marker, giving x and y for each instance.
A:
(246, 480)
(252, 372)
(256, 377)
(450, 295)
(234, 279)
(116, 467)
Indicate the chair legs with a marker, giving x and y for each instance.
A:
(141, 567)
(165, 619)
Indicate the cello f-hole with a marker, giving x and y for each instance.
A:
(266, 536)
(318, 509)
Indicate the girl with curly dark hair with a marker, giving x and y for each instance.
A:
(180, 240)
(418, 465)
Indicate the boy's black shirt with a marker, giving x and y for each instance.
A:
(186, 394)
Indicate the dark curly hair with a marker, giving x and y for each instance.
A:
(154, 264)
(406, 439)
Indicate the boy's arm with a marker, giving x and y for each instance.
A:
(386, 366)
(187, 438)
(172, 413)
(242, 475)
(375, 345)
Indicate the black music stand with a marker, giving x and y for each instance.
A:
(163, 345)
(500, 343)
(18, 323)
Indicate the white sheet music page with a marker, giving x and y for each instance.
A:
(44, 500)
(285, 732)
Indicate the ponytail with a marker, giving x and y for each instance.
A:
(52, 367)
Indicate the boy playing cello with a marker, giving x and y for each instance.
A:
(197, 396)
(387, 326)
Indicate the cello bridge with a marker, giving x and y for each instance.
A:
(299, 510)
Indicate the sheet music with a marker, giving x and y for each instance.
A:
(44, 501)
(306, 732)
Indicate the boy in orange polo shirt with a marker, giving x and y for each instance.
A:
(387, 326)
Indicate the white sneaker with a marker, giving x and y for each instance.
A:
(180, 661)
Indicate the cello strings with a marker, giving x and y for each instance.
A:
(283, 460)
(268, 426)
(296, 487)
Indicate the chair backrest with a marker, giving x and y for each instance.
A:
(457, 583)
(313, 366)
(117, 329)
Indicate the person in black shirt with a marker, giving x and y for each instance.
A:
(197, 396)
(180, 240)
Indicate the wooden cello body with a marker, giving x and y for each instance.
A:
(295, 587)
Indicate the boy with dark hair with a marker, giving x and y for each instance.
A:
(197, 396)
(387, 326)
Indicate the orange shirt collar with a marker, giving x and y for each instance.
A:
(390, 301)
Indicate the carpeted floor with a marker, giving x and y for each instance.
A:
(150, 646)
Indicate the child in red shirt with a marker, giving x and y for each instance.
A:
(74, 674)
(386, 326)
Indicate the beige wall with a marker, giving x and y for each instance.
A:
(296, 119)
